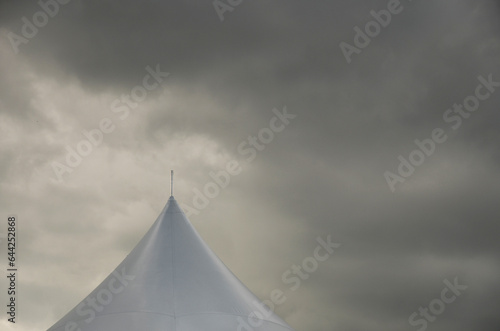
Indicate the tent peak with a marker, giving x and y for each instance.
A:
(170, 281)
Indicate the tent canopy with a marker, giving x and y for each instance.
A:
(171, 281)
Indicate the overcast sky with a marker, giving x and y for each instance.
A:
(340, 160)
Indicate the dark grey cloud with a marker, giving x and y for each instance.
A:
(322, 175)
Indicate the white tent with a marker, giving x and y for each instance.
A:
(171, 281)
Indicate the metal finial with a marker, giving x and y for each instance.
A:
(171, 183)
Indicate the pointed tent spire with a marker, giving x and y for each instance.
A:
(171, 281)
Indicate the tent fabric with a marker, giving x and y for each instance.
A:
(171, 281)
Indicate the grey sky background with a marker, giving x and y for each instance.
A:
(322, 175)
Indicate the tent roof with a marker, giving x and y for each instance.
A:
(171, 281)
